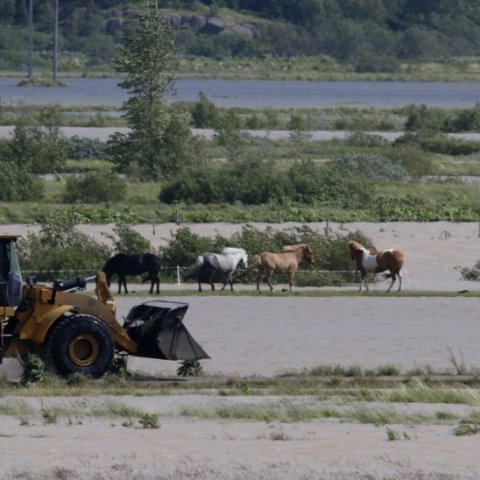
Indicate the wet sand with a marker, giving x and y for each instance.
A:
(268, 336)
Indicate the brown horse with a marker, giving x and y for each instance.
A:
(286, 262)
(372, 261)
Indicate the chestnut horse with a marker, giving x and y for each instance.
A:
(375, 262)
(286, 262)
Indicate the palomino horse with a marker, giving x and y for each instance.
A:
(123, 264)
(286, 262)
(209, 264)
(374, 262)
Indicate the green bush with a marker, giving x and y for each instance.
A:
(190, 368)
(204, 113)
(471, 273)
(368, 166)
(94, 188)
(37, 144)
(412, 158)
(17, 184)
(249, 181)
(423, 118)
(86, 148)
(130, 241)
(59, 250)
(33, 371)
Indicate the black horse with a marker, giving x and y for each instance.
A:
(123, 264)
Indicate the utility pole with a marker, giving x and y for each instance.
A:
(55, 42)
(30, 38)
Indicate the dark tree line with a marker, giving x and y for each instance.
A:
(373, 35)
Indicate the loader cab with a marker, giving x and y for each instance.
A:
(10, 275)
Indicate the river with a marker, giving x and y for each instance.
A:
(256, 94)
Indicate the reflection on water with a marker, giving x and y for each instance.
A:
(260, 94)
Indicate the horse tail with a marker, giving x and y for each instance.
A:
(108, 270)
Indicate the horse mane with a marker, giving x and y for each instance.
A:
(228, 250)
(355, 246)
(293, 248)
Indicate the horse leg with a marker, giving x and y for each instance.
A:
(225, 281)
(399, 282)
(199, 286)
(363, 281)
(122, 280)
(267, 280)
(289, 280)
(392, 274)
(259, 277)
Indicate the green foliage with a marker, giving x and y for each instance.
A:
(448, 146)
(422, 118)
(37, 144)
(60, 250)
(412, 158)
(466, 429)
(368, 166)
(184, 247)
(412, 208)
(149, 420)
(76, 379)
(190, 368)
(472, 273)
(159, 140)
(118, 367)
(204, 113)
(372, 36)
(254, 181)
(79, 148)
(33, 371)
(129, 241)
(250, 181)
(228, 134)
(94, 188)
(330, 251)
(17, 184)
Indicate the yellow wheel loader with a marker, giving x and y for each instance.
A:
(76, 332)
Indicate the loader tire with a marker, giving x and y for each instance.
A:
(80, 343)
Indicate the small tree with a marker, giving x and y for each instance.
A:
(204, 113)
(37, 143)
(130, 241)
(59, 250)
(94, 188)
(159, 135)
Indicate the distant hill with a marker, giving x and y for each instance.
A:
(370, 35)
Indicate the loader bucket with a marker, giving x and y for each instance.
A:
(157, 328)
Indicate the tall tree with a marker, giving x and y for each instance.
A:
(157, 144)
(55, 42)
(30, 38)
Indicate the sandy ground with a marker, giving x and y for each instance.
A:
(271, 335)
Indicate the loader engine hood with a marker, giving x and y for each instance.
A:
(157, 328)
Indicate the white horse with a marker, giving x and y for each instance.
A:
(225, 263)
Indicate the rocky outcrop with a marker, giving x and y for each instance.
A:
(200, 23)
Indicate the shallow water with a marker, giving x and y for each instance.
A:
(257, 94)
